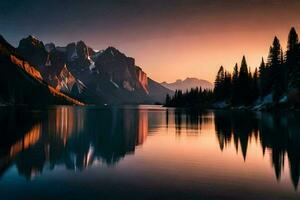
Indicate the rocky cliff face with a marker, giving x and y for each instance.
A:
(65, 80)
(22, 83)
(121, 70)
(142, 79)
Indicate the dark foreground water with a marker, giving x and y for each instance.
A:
(148, 153)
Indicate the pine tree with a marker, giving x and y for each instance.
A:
(276, 70)
(293, 40)
(244, 84)
(244, 67)
(219, 84)
(235, 74)
(293, 59)
(262, 67)
(274, 58)
(264, 79)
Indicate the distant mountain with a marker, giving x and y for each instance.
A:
(94, 77)
(187, 84)
(21, 83)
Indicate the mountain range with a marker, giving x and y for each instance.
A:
(38, 73)
(187, 84)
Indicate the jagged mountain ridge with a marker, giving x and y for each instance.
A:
(187, 84)
(52, 64)
(106, 76)
(22, 84)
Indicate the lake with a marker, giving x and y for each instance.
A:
(148, 152)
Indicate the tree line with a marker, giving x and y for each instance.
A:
(276, 79)
(195, 98)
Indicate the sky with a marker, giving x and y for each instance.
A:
(169, 39)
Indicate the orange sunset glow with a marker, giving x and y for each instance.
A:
(187, 39)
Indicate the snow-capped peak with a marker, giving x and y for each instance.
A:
(92, 65)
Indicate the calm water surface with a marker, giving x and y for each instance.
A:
(148, 153)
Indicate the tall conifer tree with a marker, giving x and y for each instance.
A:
(276, 69)
(219, 84)
(293, 59)
(244, 84)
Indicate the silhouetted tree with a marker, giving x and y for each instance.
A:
(264, 79)
(219, 84)
(195, 98)
(244, 84)
(276, 69)
(293, 59)
(293, 40)
(274, 53)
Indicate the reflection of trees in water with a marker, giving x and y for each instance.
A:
(236, 126)
(190, 120)
(75, 137)
(178, 121)
(277, 132)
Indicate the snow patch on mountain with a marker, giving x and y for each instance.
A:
(115, 84)
(92, 65)
(81, 83)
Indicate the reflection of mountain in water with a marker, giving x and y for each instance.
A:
(75, 137)
(78, 137)
(279, 133)
(14, 123)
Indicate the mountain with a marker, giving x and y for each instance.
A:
(187, 84)
(21, 83)
(157, 91)
(33, 50)
(95, 77)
